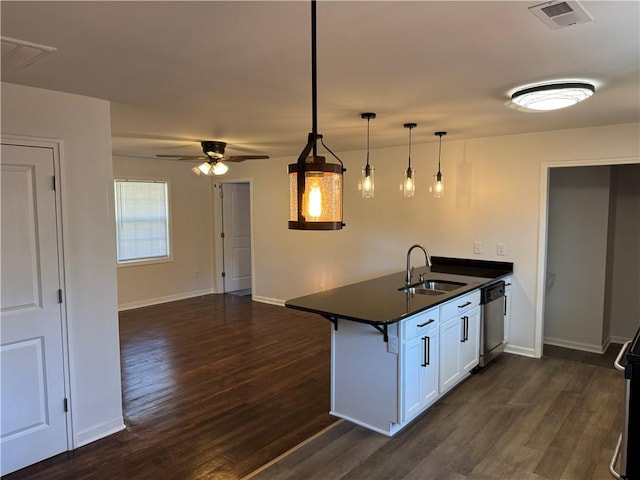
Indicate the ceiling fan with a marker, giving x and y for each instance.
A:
(213, 158)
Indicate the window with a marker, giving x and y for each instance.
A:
(142, 220)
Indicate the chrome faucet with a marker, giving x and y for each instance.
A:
(409, 267)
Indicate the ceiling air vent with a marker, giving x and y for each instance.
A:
(18, 54)
(560, 14)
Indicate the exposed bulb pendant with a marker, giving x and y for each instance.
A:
(409, 182)
(438, 185)
(315, 187)
(367, 184)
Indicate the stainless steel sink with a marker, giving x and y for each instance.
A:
(432, 287)
(421, 291)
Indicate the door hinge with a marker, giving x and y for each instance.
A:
(221, 194)
(66, 405)
(224, 274)
(53, 181)
(221, 234)
(59, 295)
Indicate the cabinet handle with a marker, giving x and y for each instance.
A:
(426, 351)
(464, 305)
(428, 322)
(466, 328)
(505, 305)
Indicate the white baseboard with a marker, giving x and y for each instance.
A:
(585, 347)
(271, 301)
(516, 350)
(169, 298)
(620, 340)
(99, 431)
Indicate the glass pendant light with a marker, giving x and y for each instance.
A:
(367, 184)
(409, 181)
(438, 185)
(315, 186)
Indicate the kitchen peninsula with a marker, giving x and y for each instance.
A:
(396, 347)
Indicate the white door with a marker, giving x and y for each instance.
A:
(236, 228)
(32, 392)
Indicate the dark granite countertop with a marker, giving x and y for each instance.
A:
(381, 301)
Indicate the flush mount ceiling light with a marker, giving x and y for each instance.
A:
(551, 96)
(409, 182)
(367, 185)
(438, 186)
(315, 187)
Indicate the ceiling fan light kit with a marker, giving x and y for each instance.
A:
(213, 158)
(550, 96)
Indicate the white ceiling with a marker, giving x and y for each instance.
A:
(179, 72)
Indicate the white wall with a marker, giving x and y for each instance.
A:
(577, 257)
(89, 248)
(492, 195)
(190, 271)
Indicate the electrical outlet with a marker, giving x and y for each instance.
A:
(502, 249)
(477, 247)
(392, 344)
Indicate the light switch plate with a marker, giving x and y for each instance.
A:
(502, 249)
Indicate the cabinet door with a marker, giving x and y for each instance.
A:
(420, 374)
(470, 348)
(450, 345)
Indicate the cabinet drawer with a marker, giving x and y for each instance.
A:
(420, 323)
(460, 305)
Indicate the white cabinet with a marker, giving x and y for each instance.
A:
(470, 347)
(419, 367)
(384, 385)
(459, 339)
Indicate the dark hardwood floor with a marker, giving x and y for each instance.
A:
(213, 388)
(519, 418)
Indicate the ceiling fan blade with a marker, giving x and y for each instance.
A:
(242, 158)
(183, 157)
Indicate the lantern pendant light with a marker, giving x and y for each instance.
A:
(367, 184)
(438, 185)
(409, 181)
(315, 187)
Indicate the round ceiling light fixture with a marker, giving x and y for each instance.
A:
(550, 96)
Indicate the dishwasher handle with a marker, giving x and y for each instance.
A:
(617, 363)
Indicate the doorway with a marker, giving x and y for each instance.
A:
(234, 244)
(585, 194)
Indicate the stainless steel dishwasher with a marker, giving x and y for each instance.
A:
(491, 322)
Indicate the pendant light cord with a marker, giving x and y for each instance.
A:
(368, 120)
(314, 79)
(410, 147)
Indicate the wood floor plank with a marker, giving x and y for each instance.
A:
(537, 419)
(213, 388)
